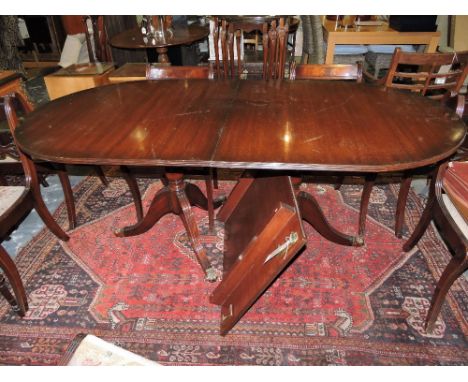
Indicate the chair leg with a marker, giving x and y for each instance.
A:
(20, 304)
(457, 265)
(100, 173)
(135, 191)
(69, 200)
(421, 227)
(365, 197)
(43, 180)
(42, 210)
(6, 293)
(401, 204)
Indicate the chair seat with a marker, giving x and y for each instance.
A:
(455, 214)
(9, 159)
(389, 49)
(94, 351)
(8, 196)
(455, 185)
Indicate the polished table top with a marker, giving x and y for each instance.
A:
(321, 125)
(295, 125)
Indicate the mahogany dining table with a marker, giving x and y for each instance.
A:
(273, 126)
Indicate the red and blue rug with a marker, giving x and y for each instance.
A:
(333, 305)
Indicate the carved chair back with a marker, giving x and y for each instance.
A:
(274, 40)
(100, 53)
(439, 75)
(13, 122)
(326, 72)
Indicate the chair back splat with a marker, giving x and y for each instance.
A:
(227, 32)
(437, 75)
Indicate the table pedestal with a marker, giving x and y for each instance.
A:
(177, 197)
(163, 58)
(263, 233)
(312, 214)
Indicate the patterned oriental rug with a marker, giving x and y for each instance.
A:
(333, 305)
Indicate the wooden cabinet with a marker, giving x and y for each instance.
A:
(76, 78)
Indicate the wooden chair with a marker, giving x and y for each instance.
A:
(32, 177)
(352, 72)
(448, 206)
(274, 38)
(11, 82)
(431, 80)
(439, 76)
(156, 72)
(15, 203)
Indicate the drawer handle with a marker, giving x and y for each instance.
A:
(289, 240)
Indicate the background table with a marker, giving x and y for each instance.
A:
(381, 34)
(183, 35)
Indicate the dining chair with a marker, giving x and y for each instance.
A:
(352, 72)
(274, 40)
(438, 76)
(447, 205)
(15, 203)
(9, 161)
(30, 171)
(161, 72)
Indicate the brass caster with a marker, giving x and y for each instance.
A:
(211, 275)
(358, 241)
